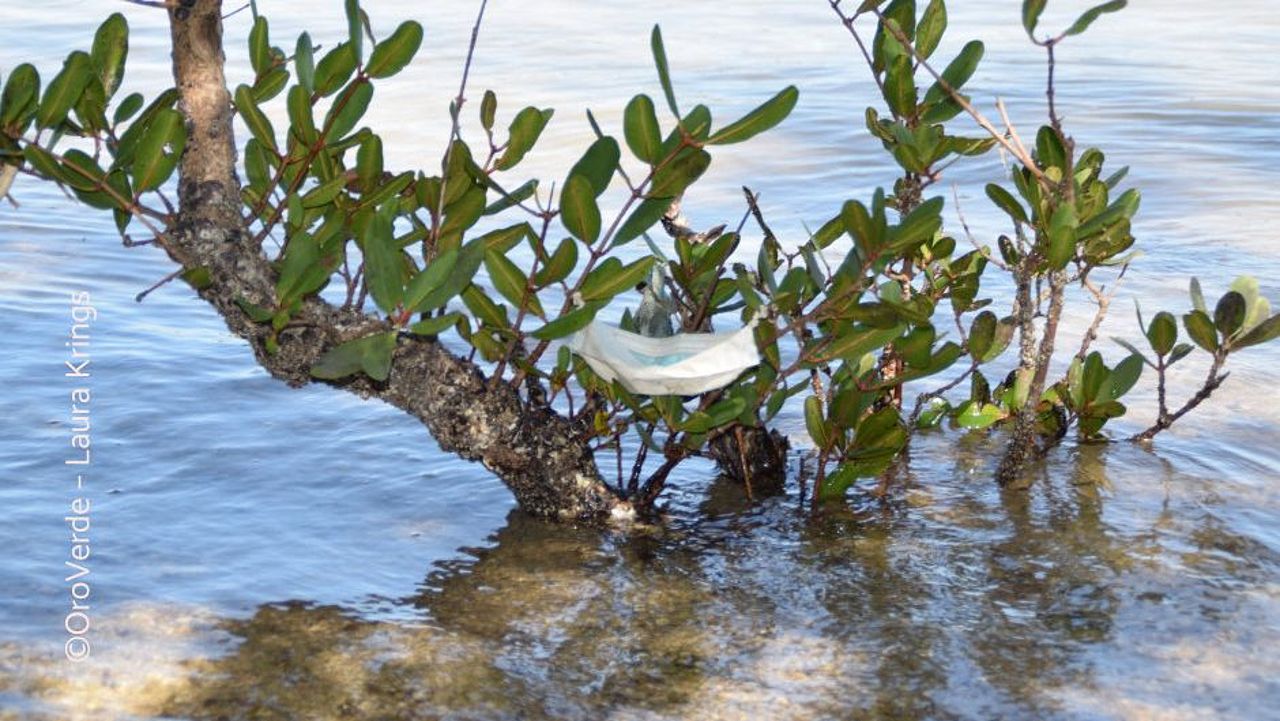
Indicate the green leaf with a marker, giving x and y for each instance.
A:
(900, 86)
(259, 46)
(393, 54)
(852, 342)
(383, 261)
(673, 178)
(1062, 237)
(523, 133)
(435, 326)
(355, 33)
(571, 322)
(611, 278)
(301, 121)
(1162, 333)
(664, 74)
(648, 212)
(512, 198)
(933, 23)
(559, 265)
(578, 209)
(1006, 202)
(64, 90)
(109, 52)
(20, 97)
(334, 69)
(343, 116)
(1125, 375)
(257, 122)
(975, 416)
(958, 71)
(511, 282)
(158, 151)
(503, 240)
(1031, 10)
(1085, 20)
(488, 109)
(304, 63)
(1197, 297)
(919, 226)
(1200, 327)
(640, 128)
(1229, 314)
(1265, 331)
(982, 334)
(371, 354)
(444, 278)
(815, 423)
(768, 114)
(598, 164)
(482, 307)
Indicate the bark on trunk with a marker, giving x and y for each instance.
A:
(539, 454)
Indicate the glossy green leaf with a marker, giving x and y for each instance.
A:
(109, 52)
(1197, 297)
(1006, 202)
(767, 115)
(957, 72)
(301, 121)
(919, 226)
(523, 133)
(1085, 20)
(304, 63)
(437, 325)
(394, 53)
(1264, 332)
(1200, 327)
(851, 343)
(1229, 314)
(334, 69)
(158, 151)
(559, 265)
(511, 282)
(343, 116)
(611, 278)
(1125, 375)
(598, 164)
(578, 209)
(1062, 237)
(673, 178)
(257, 122)
(1162, 333)
(355, 33)
(976, 416)
(1031, 10)
(64, 90)
(933, 23)
(444, 278)
(20, 97)
(371, 354)
(260, 46)
(664, 73)
(571, 322)
(383, 264)
(646, 214)
(640, 128)
(488, 110)
(815, 423)
(900, 87)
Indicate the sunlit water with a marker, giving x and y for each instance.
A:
(268, 553)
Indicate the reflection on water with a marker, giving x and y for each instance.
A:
(1112, 590)
(269, 553)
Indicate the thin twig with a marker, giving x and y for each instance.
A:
(142, 296)
(455, 130)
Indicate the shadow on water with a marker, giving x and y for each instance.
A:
(948, 600)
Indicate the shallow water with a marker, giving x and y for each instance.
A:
(269, 553)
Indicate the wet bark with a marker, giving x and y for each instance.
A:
(539, 454)
(756, 458)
